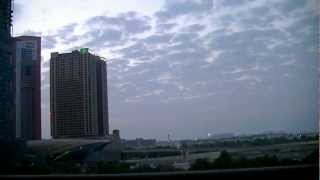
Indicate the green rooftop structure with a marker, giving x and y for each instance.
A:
(84, 50)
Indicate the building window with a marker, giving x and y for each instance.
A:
(27, 71)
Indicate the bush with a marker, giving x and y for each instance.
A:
(223, 161)
(201, 164)
(312, 158)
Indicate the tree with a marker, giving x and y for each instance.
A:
(312, 158)
(111, 167)
(223, 161)
(201, 164)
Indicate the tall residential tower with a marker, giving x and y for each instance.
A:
(27, 59)
(78, 95)
(6, 72)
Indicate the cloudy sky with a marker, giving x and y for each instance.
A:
(188, 68)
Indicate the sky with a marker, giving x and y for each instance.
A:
(188, 67)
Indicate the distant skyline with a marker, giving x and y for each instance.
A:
(189, 68)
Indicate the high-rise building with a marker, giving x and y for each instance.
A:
(78, 95)
(27, 59)
(6, 72)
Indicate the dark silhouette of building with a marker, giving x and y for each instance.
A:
(6, 72)
(116, 135)
(140, 142)
(79, 101)
(27, 59)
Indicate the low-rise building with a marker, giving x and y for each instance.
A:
(83, 151)
(139, 142)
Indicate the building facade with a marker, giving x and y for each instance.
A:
(27, 59)
(6, 72)
(78, 95)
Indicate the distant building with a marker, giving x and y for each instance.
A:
(116, 135)
(84, 151)
(221, 136)
(140, 142)
(6, 72)
(78, 94)
(27, 60)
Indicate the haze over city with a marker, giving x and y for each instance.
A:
(188, 68)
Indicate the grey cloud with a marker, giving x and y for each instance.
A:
(195, 28)
(129, 23)
(133, 48)
(175, 9)
(174, 80)
(158, 38)
(49, 42)
(287, 6)
(102, 37)
(254, 39)
(145, 55)
(233, 3)
(260, 11)
(227, 19)
(106, 31)
(31, 33)
(185, 46)
(66, 30)
(257, 21)
(165, 26)
(45, 64)
(186, 56)
(17, 14)
(66, 33)
(184, 37)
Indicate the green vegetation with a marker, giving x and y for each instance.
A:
(225, 161)
(16, 158)
(117, 167)
(151, 154)
(258, 141)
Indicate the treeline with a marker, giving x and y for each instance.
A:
(255, 142)
(152, 154)
(15, 158)
(225, 161)
(117, 168)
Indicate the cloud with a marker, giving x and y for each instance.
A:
(158, 38)
(100, 38)
(287, 6)
(17, 15)
(130, 22)
(66, 30)
(181, 67)
(109, 31)
(248, 78)
(49, 42)
(174, 9)
(31, 33)
(195, 28)
(165, 77)
(242, 70)
(235, 3)
(165, 26)
(184, 37)
(288, 63)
